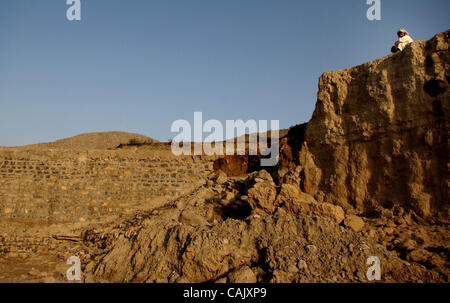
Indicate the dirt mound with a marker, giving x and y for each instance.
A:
(219, 234)
(97, 140)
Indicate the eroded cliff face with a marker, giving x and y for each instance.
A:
(379, 133)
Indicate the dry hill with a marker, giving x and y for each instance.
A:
(96, 140)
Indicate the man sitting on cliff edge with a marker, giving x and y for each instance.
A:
(403, 40)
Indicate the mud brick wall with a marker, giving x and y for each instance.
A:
(22, 246)
(67, 186)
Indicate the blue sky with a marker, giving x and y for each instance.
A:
(139, 65)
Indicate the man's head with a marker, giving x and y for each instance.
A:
(401, 33)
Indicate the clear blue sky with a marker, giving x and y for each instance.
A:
(138, 65)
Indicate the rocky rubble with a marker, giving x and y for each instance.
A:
(238, 240)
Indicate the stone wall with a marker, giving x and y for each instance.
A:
(63, 186)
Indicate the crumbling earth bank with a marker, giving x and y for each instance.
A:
(379, 133)
(193, 240)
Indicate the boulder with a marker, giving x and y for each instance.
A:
(293, 176)
(262, 196)
(354, 222)
(295, 201)
(221, 178)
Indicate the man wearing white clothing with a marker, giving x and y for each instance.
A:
(403, 40)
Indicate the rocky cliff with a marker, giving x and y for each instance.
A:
(379, 133)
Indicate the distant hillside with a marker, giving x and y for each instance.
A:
(98, 140)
